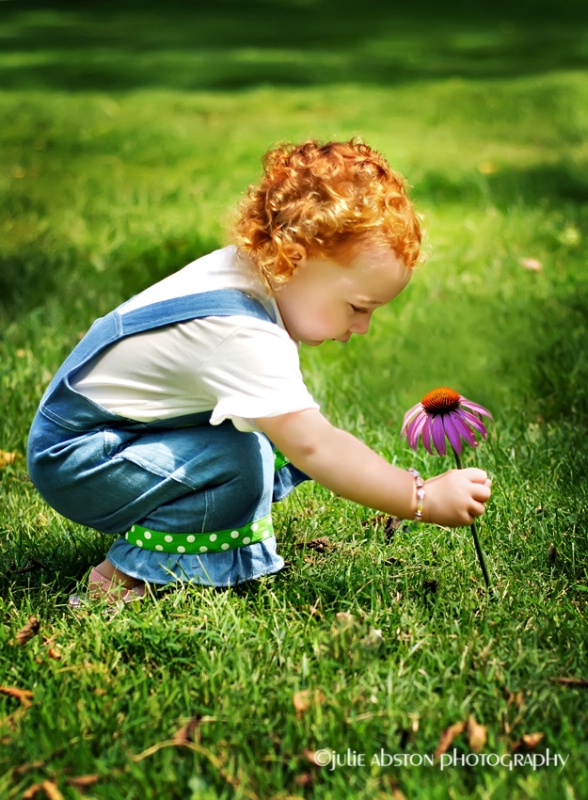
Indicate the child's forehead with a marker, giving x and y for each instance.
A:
(375, 258)
(363, 249)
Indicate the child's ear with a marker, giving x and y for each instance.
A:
(296, 253)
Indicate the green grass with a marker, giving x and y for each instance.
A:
(121, 159)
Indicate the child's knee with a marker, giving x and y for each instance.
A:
(252, 468)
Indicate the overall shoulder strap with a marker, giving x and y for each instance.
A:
(217, 303)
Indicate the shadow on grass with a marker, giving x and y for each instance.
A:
(544, 185)
(234, 44)
(31, 277)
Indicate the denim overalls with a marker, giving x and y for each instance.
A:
(202, 492)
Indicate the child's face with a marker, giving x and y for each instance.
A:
(325, 299)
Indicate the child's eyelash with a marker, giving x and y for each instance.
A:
(359, 309)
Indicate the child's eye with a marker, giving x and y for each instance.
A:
(359, 309)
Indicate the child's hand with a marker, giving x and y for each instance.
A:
(457, 497)
(346, 466)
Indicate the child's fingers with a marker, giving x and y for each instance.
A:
(475, 475)
(481, 492)
(477, 510)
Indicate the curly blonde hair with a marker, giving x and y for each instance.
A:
(325, 198)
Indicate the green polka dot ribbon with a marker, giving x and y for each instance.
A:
(200, 543)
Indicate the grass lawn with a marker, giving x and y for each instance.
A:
(129, 132)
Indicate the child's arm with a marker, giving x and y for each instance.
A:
(339, 461)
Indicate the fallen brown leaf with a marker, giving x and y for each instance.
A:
(506, 726)
(305, 779)
(581, 682)
(13, 722)
(477, 735)
(528, 741)
(312, 758)
(448, 736)
(187, 732)
(513, 698)
(8, 458)
(24, 768)
(80, 782)
(531, 740)
(49, 787)
(30, 629)
(320, 545)
(391, 527)
(32, 791)
(306, 699)
(52, 652)
(390, 524)
(23, 695)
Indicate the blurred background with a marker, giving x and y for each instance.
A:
(130, 130)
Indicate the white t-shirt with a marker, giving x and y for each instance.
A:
(239, 366)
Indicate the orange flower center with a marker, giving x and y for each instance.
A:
(441, 401)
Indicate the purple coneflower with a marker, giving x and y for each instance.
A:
(444, 413)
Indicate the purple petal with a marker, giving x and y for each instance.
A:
(409, 414)
(438, 434)
(427, 437)
(477, 409)
(415, 429)
(463, 429)
(474, 421)
(409, 423)
(408, 430)
(452, 434)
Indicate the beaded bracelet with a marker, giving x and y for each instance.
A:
(420, 494)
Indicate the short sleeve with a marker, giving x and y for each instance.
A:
(255, 372)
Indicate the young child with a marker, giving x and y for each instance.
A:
(182, 415)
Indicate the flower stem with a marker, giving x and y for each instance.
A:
(475, 535)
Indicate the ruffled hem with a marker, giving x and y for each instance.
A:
(210, 569)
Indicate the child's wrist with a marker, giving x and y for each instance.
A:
(420, 494)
